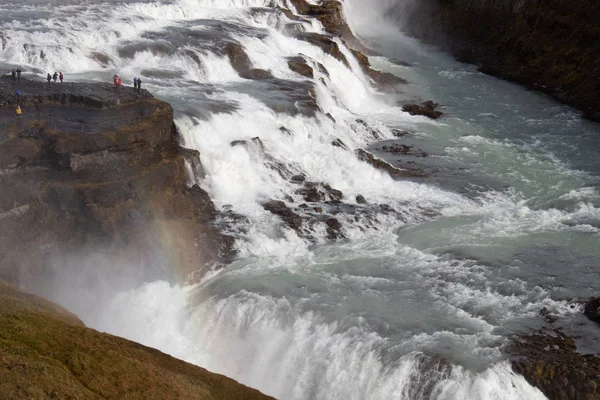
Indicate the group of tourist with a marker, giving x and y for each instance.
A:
(55, 76)
(58, 76)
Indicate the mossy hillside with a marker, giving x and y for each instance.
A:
(46, 352)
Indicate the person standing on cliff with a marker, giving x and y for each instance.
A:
(139, 86)
(14, 75)
(18, 112)
(135, 80)
(18, 95)
(19, 75)
(55, 76)
(49, 77)
(61, 77)
(36, 103)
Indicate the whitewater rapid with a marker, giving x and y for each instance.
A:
(446, 267)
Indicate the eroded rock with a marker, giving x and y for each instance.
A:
(380, 164)
(427, 109)
(300, 66)
(550, 361)
(592, 309)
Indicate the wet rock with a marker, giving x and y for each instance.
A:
(290, 218)
(256, 74)
(237, 57)
(339, 143)
(384, 80)
(549, 361)
(548, 316)
(399, 133)
(378, 163)
(360, 199)
(317, 192)
(427, 109)
(372, 131)
(238, 143)
(592, 309)
(310, 194)
(334, 195)
(300, 178)
(330, 14)
(102, 58)
(397, 149)
(334, 229)
(241, 63)
(318, 210)
(325, 43)
(300, 66)
(285, 130)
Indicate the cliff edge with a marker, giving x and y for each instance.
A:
(97, 171)
(46, 352)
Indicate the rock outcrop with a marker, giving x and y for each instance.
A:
(426, 109)
(592, 309)
(552, 46)
(550, 361)
(47, 353)
(90, 177)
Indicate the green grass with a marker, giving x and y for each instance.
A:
(47, 353)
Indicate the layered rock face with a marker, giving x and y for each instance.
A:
(47, 353)
(86, 178)
(549, 45)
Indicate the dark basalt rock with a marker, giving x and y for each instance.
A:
(300, 178)
(256, 74)
(427, 109)
(334, 229)
(399, 133)
(360, 199)
(325, 43)
(241, 63)
(339, 143)
(592, 309)
(550, 362)
(300, 66)
(378, 163)
(290, 218)
(552, 46)
(317, 192)
(237, 57)
(384, 80)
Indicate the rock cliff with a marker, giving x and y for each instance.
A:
(87, 176)
(548, 45)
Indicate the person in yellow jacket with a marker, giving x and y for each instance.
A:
(19, 112)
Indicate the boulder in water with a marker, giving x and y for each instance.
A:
(290, 218)
(427, 109)
(334, 229)
(378, 163)
(592, 309)
(300, 66)
(360, 199)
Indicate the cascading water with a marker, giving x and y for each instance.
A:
(435, 274)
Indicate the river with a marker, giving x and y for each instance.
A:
(505, 223)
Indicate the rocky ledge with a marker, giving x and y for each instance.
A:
(47, 353)
(88, 176)
(550, 361)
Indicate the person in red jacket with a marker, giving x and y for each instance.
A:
(61, 77)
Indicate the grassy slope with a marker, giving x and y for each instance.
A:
(46, 352)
